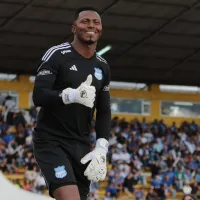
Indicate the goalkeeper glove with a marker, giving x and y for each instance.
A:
(84, 94)
(96, 170)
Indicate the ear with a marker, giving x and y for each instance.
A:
(101, 32)
(73, 28)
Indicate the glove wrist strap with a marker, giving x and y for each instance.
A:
(69, 95)
(73, 95)
(103, 144)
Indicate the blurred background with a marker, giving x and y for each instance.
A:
(153, 48)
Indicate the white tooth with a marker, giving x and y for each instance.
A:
(91, 32)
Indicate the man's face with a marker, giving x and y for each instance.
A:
(88, 28)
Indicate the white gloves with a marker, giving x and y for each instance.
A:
(84, 94)
(96, 170)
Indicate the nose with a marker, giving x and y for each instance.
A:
(90, 24)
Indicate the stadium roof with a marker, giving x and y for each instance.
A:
(153, 41)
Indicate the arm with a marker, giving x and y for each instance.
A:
(43, 93)
(103, 115)
(97, 169)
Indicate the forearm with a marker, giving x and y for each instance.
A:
(43, 92)
(103, 124)
(46, 97)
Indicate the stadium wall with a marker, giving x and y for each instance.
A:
(24, 87)
(155, 96)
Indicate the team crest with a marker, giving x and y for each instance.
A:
(60, 171)
(98, 73)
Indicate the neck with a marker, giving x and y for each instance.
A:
(85, 50)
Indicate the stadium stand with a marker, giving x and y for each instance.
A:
(146, 160)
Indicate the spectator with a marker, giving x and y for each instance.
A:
(107, 196)
(129, 185)
(139, 194)
(189, 197)
(27, 185)
(161, 192)
(151, 195)
(8, 137)
(112, 189)
(39, 184)
(93, 195)
(10, 107)
(20, 135)
(197, 177)
(195, 188)
(31, 170)
(11, 162)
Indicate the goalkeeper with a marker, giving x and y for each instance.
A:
(71, 82)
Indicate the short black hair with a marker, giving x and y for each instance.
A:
(79, 10)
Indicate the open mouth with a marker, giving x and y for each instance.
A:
(91, 32)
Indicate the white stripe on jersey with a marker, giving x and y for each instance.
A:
(49, 56)
(40, 66)
(100, 58)
(54, 47)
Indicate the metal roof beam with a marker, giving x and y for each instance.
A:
(12, 2)
(153, 2)
(19, 58)
(138, 16)
(23, 46)
(61, 8)
(44, 21)
(197, 22)
(168, 73)
(10, 32)
(165, 25)
(169, 46)
(15, 15)
(182, 35)
(105, 10)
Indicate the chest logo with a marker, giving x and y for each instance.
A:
(98, 73)
(73, 68)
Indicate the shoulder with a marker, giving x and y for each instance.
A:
(57, 50)
(101, 59)
(104, 64)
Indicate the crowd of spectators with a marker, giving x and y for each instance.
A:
(166, 160)
(161, 160)
(16, 150)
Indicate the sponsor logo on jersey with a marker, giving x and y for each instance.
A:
(98, 73)
(65, 51)
(100, 58)
(106, 88)
(60, 172)
(44, 72)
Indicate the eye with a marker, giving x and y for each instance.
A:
(84, 21)
(97, 22)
